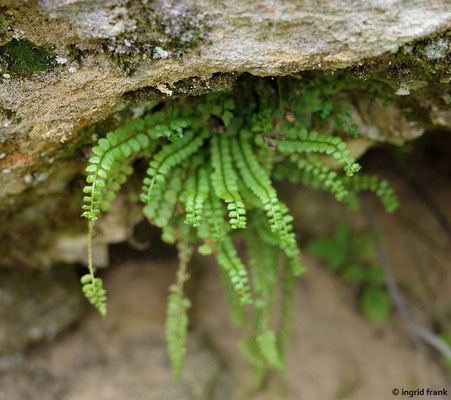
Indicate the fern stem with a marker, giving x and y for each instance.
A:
(185, 252)
(90, 234)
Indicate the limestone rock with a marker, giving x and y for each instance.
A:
(35, 306)
(66, 64)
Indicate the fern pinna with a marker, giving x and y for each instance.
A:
(210, 177)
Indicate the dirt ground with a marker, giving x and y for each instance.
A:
(334, 354)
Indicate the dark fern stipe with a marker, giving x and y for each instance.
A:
(210, 178)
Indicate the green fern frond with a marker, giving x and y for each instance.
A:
(214, 217)
(262, 229)
(263, 261)
(229, 260)
(176, 317)
(173, 131)
(237, 310)
(93, 290)
(119, 174)
(117, 147)
(92, 287)
(224, 181)
(161, 210)
(318, 175)
(250, 350)
(373, 183)
(256, 179)
(167, 158)
(302, 141)
(287, 308)
(266, 158)
(267, 344)
(197, 187)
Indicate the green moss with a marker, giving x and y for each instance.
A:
(425, 60)
(3, 24)
(20, 57)
(75, 53)
(7, 112)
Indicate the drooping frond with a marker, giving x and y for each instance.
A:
(117, 177)
(214, 214)
(117, 147)
(287, 309)
(373, 183)
(224, 181)
(166, 159)
(262, 229)
(303, 141)
(237, 310)
(316, 174)
(263, 261)
(94, 292)
(311, 171)
(161, 210)
(176, 317)
(255, 178)
(197, 187)
(229, 260)
(214, 227)
(267, 344)
(93, 287)
(251, 352)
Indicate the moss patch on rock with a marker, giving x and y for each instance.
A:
(423, 60)
(20, 57)
(3, 24)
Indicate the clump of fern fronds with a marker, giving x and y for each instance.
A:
(210, 177)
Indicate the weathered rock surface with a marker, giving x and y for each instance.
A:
(34, 307)
(97, 58)
(76, 70)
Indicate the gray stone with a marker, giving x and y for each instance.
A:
(35, 306)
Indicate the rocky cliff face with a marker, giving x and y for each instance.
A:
(67, 64)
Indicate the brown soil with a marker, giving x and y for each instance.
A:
(335, 353)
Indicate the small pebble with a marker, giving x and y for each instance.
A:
(61, 60)
(403, 91)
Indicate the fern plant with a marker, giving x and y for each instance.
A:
(210, 177)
